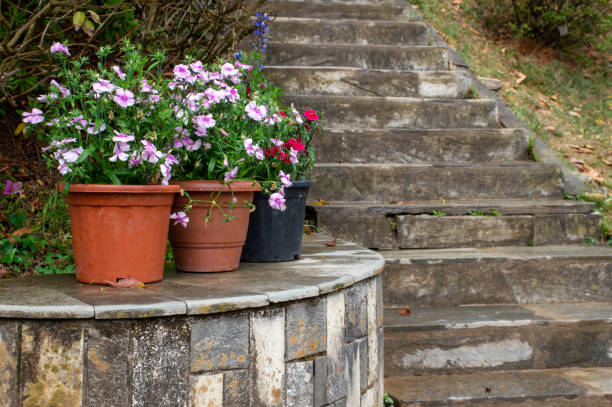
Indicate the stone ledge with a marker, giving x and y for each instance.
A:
(321, 270)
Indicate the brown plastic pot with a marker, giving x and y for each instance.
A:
(119, 231)
(215, 245)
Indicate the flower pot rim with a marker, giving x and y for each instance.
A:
(120, 189)
(215, 185)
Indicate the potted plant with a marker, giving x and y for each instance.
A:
(109, 133)
(231, 118)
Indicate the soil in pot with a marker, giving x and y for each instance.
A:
(275, 235)
(215, 245)
(119, 231)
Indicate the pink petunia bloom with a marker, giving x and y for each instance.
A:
(166, 168)
(204, 122)
(92, 128)
(103, 86)
(181, 71)
(145, 87)
(63, 167)
(34, 117)
(206, 146)
(71, 156)
(118, 72)
(64, 91)
(285, 179)
(311, 115)
(298, 118)
(134, 160)
(230, 175)
(150, 152)
(124, 98)
(228, 70)
(153, 98)
(123, 138)
(277, 201)
(248, 146)
(180, 218)
(243, 66)
(259, 154)
(120, 151)
(277, 142)
(13, 187)
(232, 95)
(293, 156)
(255, 112)
(196, 66)
(59, 47)
(43, 98)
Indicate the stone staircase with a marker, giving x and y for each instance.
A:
(491, 297)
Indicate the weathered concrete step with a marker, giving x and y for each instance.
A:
(340, 10)
(306, 80)
(351, 112)
(406, 58)
(421, 146)
(407, 182)
(486, 337)
(362, 32)
(392, 225)
(573, 387)
(516, 274)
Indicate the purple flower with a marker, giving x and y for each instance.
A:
(204, 122)
(64, 91)
(12, 187)
(232, 95)
(259, 154)
(120, 152)
(243, 66)
(181, 71)
(134, 161)
(123, 138)
(59, 47)
(197, 66)
(180, 217)
(285, 179)
(248, 146)
(102, 86)
(118, 72)
(277, 142)
(124, 98)
(255, 112)
(150, 152)
(277, 201)
(293, 156)
(144, 86)
(230, 175)
(228, 70)
(63, 167)
(34, 117)
(71, 156)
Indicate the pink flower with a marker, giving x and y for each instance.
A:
(65, 92)
(298, 118)
(92, 129)
(59, 47)
(197, 66)
(293, 156)
(166, 169)
(243, 66)
(71, 156)
(150, 152)
(259, 154)
(13, 187)
(228, 70)
(285, 179)
(144, 86)
(34, 117)
(120, 152)
(181, 71)
(124, 98)
(122, 138)
(232, 95)
(230, 175)
(204, 122)
(277, 142)
(311, 115)
(118, 72)
(255, 112)
(248, 146)
(180, 217)
(63, 167)
(102, 86)
(277, 201)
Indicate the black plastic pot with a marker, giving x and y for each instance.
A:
(274, 235)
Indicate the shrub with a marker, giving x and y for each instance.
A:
(557, 23)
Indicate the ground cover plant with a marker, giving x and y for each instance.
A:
(558, 85)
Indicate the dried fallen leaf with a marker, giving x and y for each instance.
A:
(125, 283)
(521, 78)
(550, 128)
(3, 272)
(321, 202)
(22, 231)
(331, 244)
(404, 311)
(603, 160)
(574, 114)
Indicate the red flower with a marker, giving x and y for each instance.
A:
(282, 113)
(295, 144)
(311, 115)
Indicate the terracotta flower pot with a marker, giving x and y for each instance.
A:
(119, 231)
(215, 245)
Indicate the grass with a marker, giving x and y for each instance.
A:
(566, 103)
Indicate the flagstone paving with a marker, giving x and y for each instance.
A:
(491, 296)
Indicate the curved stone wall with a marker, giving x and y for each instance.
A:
(308, 334)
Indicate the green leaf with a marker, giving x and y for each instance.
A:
(114, 178)
(86, 153)
(211, 165)
(78, 19)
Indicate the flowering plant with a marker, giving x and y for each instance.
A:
(235, 127)
(108, 126)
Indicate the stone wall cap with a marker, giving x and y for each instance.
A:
(322, 268)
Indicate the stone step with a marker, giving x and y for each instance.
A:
(422, 146)
(393, 225)
(506, 275)
(341, 10)
(404, 58)
(361, 32)
(403, 182)
(573, 387)
(449, 340)
(354, 112)
(307, 80)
